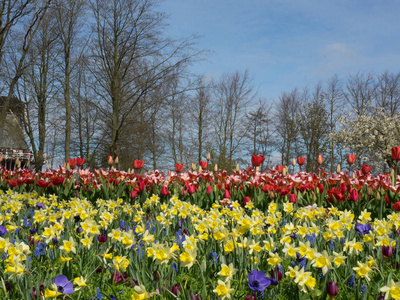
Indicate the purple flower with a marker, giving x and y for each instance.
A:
(63, 284)
(175, 289)
(40, 205)
(258, 281)
(387, 251)
(332, 288)
(3, 230)
(363, 229)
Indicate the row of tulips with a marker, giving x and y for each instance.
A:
(173, 249)
(356, 191)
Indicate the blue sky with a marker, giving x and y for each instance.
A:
(288, 44)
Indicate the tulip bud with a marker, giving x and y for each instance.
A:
(227, 195)
(377, 196)
(351, 158)
(396, 153)
(110, 160)
(332, 289)
(208, 156)
(129, 171)
(387, 251)
(164, 190)
(293, 198)
(237, 167)
(246, 200)
(209, 189)
(47, 167)
(338, 168)
(193, 166)
(216, 168)
(28, 163)
(200, 169)
(257, 169)
(67, 167)
(293, 162)
(191, 189)
(284, 172)
(271, 195)
(1, 157)
(116, 160)
(320, 159)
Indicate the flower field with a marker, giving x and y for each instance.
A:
(74, 234)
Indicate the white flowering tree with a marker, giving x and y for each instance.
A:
(370, 137)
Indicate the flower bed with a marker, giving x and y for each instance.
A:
(167, 246)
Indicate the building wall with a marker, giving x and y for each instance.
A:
(11, 134)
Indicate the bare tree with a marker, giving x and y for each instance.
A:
(286, 125)
(131, 58)
(359, 92)
(69, 15)
(233, 92)
(313, 127)
(28, 15)
(387, 92)
(37, 89)
(333, 98)
(200, 115)
(260, 131)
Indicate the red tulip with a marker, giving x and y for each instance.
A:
(365, 169)
(320, 159)
(209, 189)
(396, 153)
(178, 168)
(102, 238)
(57, 180)
(353, 195)
(227, 195)
(191, 189)
(183, 192)
(320, 187)
(396, 206)
(280, 168)
(351, 158)
(138, 164)
(164, 190)
(343, 188)
(246, 200)
(257, 160)
(133, 194)
(43, 183)
(12, 183)
(80, 161)
(203, 164)
(72, 163)
(110, 160)
(301, 160)
(293, 198)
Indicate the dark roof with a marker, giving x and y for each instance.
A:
(16, 105)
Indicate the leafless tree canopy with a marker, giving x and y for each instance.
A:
(102, 77)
